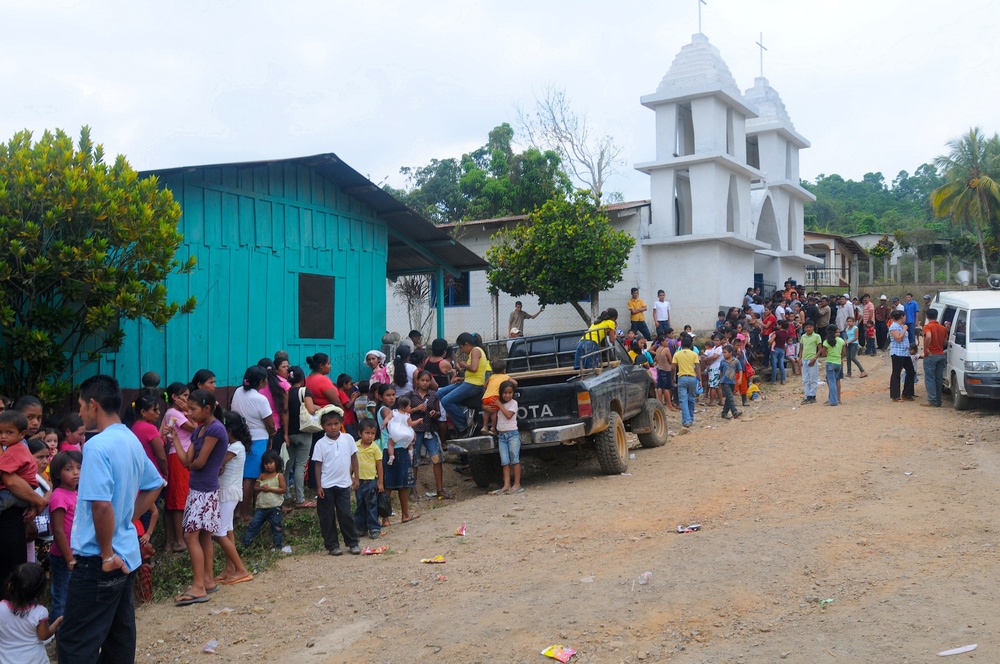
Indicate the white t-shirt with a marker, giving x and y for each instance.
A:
(335, 455)
(19, 635)
(231, 479)
(717, 354)
(254, 408)
(505, 423)
(661, 311)
(779, 312)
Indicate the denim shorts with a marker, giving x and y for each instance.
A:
(509, 444)
(429, 442)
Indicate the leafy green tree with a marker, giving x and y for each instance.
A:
(492, 181)
(565, 252)
(971, 193)
(85, 245)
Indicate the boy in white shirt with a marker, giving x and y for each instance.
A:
(661, 313)
(336, 457)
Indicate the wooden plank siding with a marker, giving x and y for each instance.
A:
(253, 230)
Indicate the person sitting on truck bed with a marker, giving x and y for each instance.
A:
(491, 397)
(605, 327)
(472, 386)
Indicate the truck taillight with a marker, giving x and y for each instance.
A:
(583, 404)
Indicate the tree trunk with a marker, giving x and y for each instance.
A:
(982, 245)
(595, 306)
(583, 314)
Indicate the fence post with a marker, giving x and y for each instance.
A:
(871, 270)
(975, 273)
(916, 267)
(947, 270)
(885, 270)
(932, 270)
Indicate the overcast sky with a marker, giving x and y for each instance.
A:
(875, 85)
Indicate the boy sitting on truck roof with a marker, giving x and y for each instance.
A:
(491, 396)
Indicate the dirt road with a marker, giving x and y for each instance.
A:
(887, 509)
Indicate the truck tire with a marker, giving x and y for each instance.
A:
(657, 436)
(485, 469)
(612, 446)
(958, 400)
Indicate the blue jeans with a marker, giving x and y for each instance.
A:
(911, 331)
(452, 396)
(366, 511)
(60, 585)
(934, 366)
(686, 388)
(661, 327)
(585, 347)
(641, 327)
(777, 364)
(509, 446)
(271, 515)
(833, 373)
(99, 620)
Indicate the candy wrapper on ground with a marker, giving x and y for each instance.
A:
(460, 532)
(561, 653)
(436, 560)
(369, 551)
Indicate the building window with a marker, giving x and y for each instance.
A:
(316, 294)
(456, 290)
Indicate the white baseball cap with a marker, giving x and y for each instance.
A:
(883, 297)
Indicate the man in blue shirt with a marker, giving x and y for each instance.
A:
(911, 308)
(118, 482)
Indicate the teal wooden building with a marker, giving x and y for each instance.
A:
(291, 254)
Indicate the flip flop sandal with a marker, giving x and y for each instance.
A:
(242, 579)
(412, 517)
(213, 589)
(304, 505)
(188, 599)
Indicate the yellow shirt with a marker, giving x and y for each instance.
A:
(686, 360)
(598, 331)
(493, 387)
(478, 377)
(752, 390)
(367, 458)
(637, 304)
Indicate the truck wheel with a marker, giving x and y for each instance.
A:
(612, 446)
(485, 469)
(657, 436)
(958, 400)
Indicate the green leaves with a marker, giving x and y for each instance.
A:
(86, 244)
(564, 252)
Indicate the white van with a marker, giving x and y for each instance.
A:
(973, 322)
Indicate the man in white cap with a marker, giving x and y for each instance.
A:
(515, 324)
(882, 322)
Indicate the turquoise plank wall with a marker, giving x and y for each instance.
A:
(253, 230)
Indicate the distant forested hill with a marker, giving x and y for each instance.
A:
(847, 207)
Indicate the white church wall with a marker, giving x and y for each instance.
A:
(709, 114)
(662, 189)
(666, 131)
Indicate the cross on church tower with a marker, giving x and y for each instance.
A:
(762, 49)
(700, 3)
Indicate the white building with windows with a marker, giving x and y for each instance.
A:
(725, 209)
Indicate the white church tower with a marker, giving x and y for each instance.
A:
(701, 241)
(773, 147)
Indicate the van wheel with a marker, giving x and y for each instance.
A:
(612, 446)
(485, 469)
(958, 400)
(657, 436)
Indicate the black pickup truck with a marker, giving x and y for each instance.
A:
(560, 406)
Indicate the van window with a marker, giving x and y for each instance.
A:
(959, 329)
(984, 325)
(948, 316)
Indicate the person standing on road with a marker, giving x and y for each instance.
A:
(899, 352)
(117, 482)
(810, 342)
(661, 313)
(882, 323)
(637, 314)
(911, 308)
(686, 361)
(833, 350)
(935, 336)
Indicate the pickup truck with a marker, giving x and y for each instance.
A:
(562, 406)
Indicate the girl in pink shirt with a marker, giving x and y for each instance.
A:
(65, 469)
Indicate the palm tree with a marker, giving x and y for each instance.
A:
(971, 195)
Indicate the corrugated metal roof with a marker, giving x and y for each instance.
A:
(415, 244)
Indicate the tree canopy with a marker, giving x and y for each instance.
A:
(566, 252)
(492, 181)
(85, 246)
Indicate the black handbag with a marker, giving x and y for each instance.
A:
(384, 505)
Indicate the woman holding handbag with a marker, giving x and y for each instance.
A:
(300, 434)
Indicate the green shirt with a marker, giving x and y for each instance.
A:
(810, 342)
(834, 353)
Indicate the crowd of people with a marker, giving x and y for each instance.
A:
(82, 493)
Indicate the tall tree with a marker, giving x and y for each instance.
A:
(566, 252)
(85, 246)
(971, 194)
(554, 125)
